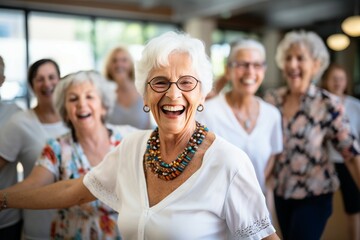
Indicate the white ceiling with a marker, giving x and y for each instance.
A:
(282, 14)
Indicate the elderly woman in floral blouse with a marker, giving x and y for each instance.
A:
(305, 177)
(83, 102)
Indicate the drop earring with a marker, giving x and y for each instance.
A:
(146, 108)
(200, 108)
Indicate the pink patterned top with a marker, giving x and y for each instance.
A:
(303, 169)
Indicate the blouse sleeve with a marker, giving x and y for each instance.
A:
(50, 157)
(101, 180)
(245, 209)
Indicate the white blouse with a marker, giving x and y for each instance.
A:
(264, 140)
(222, 200)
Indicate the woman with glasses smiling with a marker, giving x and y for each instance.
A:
(242, 118)
(180, 181)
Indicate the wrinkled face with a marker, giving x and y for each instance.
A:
(83, 106)
(174, 110)
(44, 82)
(299, 68)
(246, 71)
(120, 66)
(336, 81)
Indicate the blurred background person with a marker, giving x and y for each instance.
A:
(10, 220)
(6, 109)
(128, 109)
(305, 177)
(83, 102)
(24, 135)
(242, 118)
(335, 80)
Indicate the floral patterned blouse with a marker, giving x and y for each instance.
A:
(66, 160)
(303, 169)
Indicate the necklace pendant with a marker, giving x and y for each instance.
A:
(247, 123)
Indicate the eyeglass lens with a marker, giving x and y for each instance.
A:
(184, 83)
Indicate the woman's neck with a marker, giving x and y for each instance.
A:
(239, 101)
(94, 137)
(47, 114)
(173, 144)
(126, 94)
(95, 144)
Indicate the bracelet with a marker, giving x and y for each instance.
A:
(4, 202)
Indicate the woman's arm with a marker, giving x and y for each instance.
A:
(353, 166)
(62, 194)
(38, 177)
(272, 237)
(3, 162)
(269, 166)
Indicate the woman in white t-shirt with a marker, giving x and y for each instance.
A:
(10, 221)
(241, 117)
(180, 181)
(23, 137)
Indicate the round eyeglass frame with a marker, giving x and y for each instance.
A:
(176, 83)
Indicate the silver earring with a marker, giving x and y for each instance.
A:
(146, 108)
(200, 108)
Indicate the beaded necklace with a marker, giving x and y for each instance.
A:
(169, 171)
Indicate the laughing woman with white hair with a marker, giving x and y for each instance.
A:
(305, 176)
(180, 181)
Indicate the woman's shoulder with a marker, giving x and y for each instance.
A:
(135, 137)
(268, 108)
(275, 96)
(22, 120)
(352, 100)
(121, 129)
(229, 154)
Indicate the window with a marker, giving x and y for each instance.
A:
(74, 42)
(12, 49)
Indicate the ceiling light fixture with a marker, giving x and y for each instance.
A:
(351, 25)
(338, 42)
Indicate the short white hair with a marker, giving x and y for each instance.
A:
(156, 53)
(100, 83)
(311, 41)
(244, 44)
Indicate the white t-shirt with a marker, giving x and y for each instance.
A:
(264, 141)
(22, 139)
(8, 217)
(352, 111)
(221, 200)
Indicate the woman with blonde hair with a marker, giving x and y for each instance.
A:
(128, 108)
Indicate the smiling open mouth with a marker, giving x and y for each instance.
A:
(82, 116)
(173, 110)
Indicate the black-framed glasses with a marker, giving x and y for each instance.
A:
(185, 83)
(246, 65)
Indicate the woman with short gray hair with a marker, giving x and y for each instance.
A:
(305, 178)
